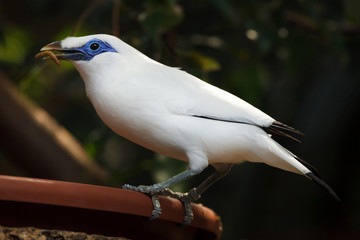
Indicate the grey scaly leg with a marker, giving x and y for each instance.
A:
(154, 190)
(195, 193)
(222, 169)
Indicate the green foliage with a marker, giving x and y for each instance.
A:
(14, 46)
(207, 64)
(352, 11)
(252, 83)
(159, 17)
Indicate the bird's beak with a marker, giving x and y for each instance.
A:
(56, 52)
(47, 52)
(55, 46)
(52, 46)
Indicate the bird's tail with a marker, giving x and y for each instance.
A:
(277, 156)
(312, 173)
(323, 184)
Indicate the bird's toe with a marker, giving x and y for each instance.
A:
(156, 212)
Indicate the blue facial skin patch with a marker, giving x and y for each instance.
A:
(88, 51)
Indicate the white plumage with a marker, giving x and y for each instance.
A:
(172, 112)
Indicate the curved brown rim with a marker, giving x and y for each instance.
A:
(85, 196)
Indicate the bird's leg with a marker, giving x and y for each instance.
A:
(222, 169)
(195, 193)
(154, 190)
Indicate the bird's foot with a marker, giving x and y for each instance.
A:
(153, 191)
(186, 199)
(156, 212)
(150, 189)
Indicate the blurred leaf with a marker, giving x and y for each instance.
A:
(160, 17)
(351, 8)
(249, 81)
(206, 63)
(35, 83)
(91, 148)
(16, 43)
(226, 8)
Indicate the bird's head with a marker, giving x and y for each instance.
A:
(93, 53)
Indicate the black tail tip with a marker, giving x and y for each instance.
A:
(323, 185)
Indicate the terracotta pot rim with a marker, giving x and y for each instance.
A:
(93, 197)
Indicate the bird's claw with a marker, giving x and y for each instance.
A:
(190, 196)
(186, 199)
(155, 190)
(156, 212)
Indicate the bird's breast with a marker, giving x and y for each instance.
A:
(135, 116)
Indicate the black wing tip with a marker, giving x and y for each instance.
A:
(282, 129)
(274, 130)
(323, 184)
(283, 126)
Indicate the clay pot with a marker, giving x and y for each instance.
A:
(48, 204)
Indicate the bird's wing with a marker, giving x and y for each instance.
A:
(200, 99)
(194, 97)
(283, 130)
(184, 94)
(190, 96)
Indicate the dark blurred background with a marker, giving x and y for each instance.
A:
(298, 61)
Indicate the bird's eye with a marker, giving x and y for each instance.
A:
(94, 46)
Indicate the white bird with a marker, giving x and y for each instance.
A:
(176, 114)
